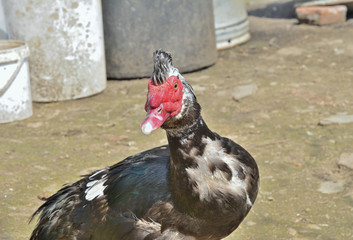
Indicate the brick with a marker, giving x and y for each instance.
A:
(322, 15)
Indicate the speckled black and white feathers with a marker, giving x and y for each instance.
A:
(214, 173)
(163, 67)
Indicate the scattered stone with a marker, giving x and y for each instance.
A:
(283, 192)
(250, 223)
(322, 15)
(299, 219)
(43, 168)
(244, 91)
(330, 187)
(66, 156)
(105, 125)
(221, 93)
(203, 77)
(290, 51)
(270, 70)
(270, 199)
(73, 132)
(338, 51)
(35, 124)
(198, 88)
(346, 160)
(131, 143)
(314, 226)
(292, 231)
(272, 41)
(350, 194)
(45, 153)
(309, 133)
(336, 119)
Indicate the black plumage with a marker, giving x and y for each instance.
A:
(199, 186)
(163, 62)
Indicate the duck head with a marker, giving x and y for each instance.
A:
(168, 94)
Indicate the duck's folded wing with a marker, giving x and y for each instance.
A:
(110, 200)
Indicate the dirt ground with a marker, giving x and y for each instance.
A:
(303, 74)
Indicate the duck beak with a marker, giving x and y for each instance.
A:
(154, 119)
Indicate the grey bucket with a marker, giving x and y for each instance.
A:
(67, 47)
(231, 23)
(15, 90)
(133, 29)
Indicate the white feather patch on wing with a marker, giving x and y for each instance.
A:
(96, 173)
(95, 188)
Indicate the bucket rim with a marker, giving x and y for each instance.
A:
(14, 51)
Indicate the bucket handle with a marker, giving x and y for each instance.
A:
(20, 62)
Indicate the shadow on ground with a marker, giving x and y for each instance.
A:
(284, 10)
(273, 10)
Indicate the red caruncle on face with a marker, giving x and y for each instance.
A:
(170, 94)
(163, 102)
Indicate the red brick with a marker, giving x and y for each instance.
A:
(322, 15)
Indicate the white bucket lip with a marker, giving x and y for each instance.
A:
(12, 50)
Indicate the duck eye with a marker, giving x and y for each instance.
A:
(175, 86)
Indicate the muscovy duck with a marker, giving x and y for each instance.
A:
(199, 186)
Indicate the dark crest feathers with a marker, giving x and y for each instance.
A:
(162, 65)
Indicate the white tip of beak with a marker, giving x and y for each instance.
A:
(146, 128)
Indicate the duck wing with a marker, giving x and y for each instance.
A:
(108, 203)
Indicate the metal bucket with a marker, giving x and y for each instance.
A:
(66, 42)
(231, 23)
(15, 90)
(3, 29)
(134, 29)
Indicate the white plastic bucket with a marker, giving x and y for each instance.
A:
(67, 47)
(15, 90)
(3, 29)
(231, 23)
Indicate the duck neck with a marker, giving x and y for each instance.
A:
(185, 146)
(183, 141)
